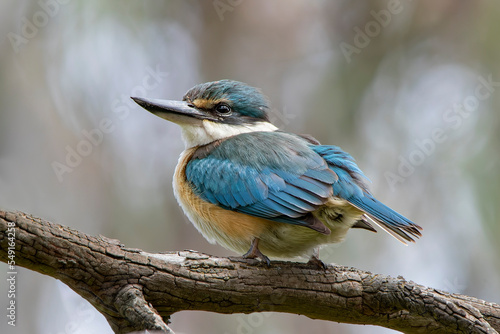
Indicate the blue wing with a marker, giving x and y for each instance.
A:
(350, 186)
(272, 175)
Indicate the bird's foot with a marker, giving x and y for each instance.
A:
(314, 261)
(255, 253)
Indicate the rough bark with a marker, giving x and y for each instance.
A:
(136, 290)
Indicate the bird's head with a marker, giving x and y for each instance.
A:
(213, 111)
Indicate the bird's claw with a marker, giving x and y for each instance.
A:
(315, 261)
(255, 253)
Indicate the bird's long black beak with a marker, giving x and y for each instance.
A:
(174, 111)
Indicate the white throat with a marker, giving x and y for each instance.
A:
(208, 131)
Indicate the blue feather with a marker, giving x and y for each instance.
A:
(300, 193)
(350, 186)
(299, 204)
(380, 211)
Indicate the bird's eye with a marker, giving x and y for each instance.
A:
(223, 109)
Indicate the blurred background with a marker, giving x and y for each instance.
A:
(410, 88)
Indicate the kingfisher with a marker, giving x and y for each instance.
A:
(260, 191)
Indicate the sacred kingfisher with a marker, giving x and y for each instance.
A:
(257, 190)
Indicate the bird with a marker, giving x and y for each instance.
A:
(260, 191)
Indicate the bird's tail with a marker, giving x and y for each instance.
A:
(387, 219)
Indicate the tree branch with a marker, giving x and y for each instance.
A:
(136, 290)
